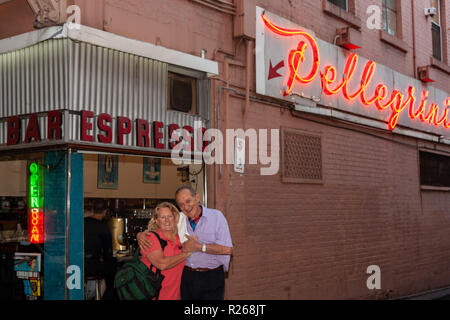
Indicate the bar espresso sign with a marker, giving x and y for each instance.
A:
(99, 129)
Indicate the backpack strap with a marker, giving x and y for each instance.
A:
(162, 242)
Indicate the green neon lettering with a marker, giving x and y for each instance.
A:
(34, 168)
(34, 179)
(35, 186)
(34, 202)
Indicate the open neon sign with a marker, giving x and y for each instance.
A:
(36, 201)
(397, 102)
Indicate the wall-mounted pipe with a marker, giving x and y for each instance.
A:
(248, 50)
(414, 38)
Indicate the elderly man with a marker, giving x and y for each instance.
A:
(210, 241)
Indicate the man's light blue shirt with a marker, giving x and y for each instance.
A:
(212, 228)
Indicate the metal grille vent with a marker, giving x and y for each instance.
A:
(302, 154)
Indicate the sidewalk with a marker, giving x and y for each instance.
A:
(439, 294)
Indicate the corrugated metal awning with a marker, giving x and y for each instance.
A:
(112, 41)
(54, 71)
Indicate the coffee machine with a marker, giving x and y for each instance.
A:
(126, 222)
(117, 227)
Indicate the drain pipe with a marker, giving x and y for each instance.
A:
(219, 98)
(247, 77)
(414, 39)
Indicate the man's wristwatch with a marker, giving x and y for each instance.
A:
(204, 248)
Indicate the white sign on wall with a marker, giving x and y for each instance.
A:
(239, 155)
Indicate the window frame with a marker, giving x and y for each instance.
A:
(395, 41)
(431, 186)
(441, 38)
(174, 72)
(346, 5)
(348, 16)
(385, 10)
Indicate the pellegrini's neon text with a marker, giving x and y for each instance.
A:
(397, 101)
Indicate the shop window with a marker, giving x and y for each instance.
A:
(139, 185)
(182, 93)
(434, 170)
(21, 258)
(390, 17)
(436, 32)
(302, 157)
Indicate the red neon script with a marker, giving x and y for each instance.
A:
(396, 101)
(36, 226)
(297, 56)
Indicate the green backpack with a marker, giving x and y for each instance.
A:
(135, 281)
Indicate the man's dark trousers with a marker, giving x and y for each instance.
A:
(203, 285)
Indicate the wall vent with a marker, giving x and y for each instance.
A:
(302, 156)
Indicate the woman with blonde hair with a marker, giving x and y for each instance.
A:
(171, 262)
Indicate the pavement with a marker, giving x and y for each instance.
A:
(440, 294)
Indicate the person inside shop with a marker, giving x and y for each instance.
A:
(98, 253)
(171, 262)
(210, 241)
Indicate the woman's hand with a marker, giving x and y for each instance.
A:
(143, 240)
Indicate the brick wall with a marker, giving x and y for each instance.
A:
(16, 17)
(304, 241)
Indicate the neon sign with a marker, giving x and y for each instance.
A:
(36, 204)
(396, 101)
